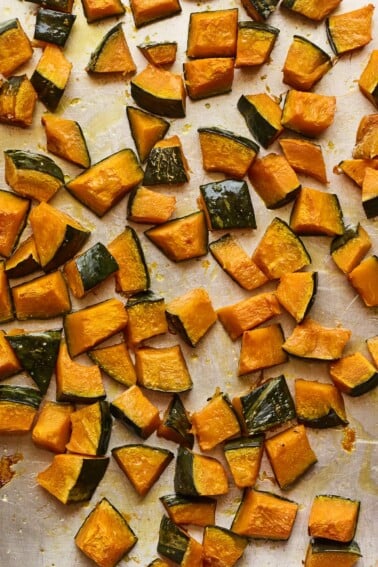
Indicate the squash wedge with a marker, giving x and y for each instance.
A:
(146, 130)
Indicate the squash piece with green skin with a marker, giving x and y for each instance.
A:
(53, 26)
(227, 204)
(15, 46)
(348, 250)
(162, 369)
(261, 348)
(177, 545)
(354, 374)
(52, 428)
(263, 117)
(223, 545)
(319, 405)
(17, 101)
(329, 553)
(146, 317)
(65, 139)
(363, 278)
(305, 64)
(166, 163)
(296, 293)
(308, 113)
(159, 52)
(60, 5)
(91, 428)
(112, 55)
(14, 212)
(135, 411)
(315, 10)
(9, 362)
(116, 362)
(44, 297)
(18, 408)
(212, 33)
(243, 456)
(51, 75)
(350, 30)
(146, 12)
(199, 475)
(176, 424)
(260, 10)
(146, 130)
(132, 275)
(355, 169)
(255, 43)
(311, 340)
(333, 518)
(145, 205)
(183, 510)
(6, 305)
(95, 11)
(368, 81)
(208, 77)
(305, 157)
(370, 193)
(24, 260)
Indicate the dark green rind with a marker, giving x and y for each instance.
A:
(330, 37)
(91, 67)
(227, 134)
(151, 44)
(172, 500)
(260, 128)
(173, 542)
(313, 295)
(244, 443)
(176, 326)
(9, 25)
(74, 239)
(365, 387)
(165, 166)
(60, 5)
(263, 7)
(340, 241)
(324, 54)
(91, 473)
(178, 421)
(229, 205)
(118, 414)
(74, 398)
(262, 26)
(53, 26)
(20, 395)
(371, 207)
(330, 419)
(10, 316)
(106, 428)
(163, 107)
(95, 265)
(183, 479)
(25, 160)
(139, 248)
(48, 93)
(144, 297)
(129, 109)
(327, 546)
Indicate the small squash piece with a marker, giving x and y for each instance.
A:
(176, 425)
(305, 64)
(208, 77)
(212, 33)
(333, 518)
(261, 348)
(162, 369)
(305, 157)
(355, 169)
(105, 536)
(146, 317)
(147, 12)
(227, 204)
(315, 10)
(18, 408)
(166, 163)
(372, 345)
(6, 305)
(116, 362)
(308, 113)
(316, 213)
(354, 374)
(309, 339)
(44, 297)
(350, 30)
(322, 553)
(65, 139)
(51, 75)
(370, 193)
(222, 545)
(9, 362)
(243, 456)
(364, 279)
(177, 545)
(17, 101)
(53, 26)
(368, 81)
(199, 475)
(146, 130)
(142, 465)
(148, 206)
(15, 46)
(366, 146)
(95, 10)
(159, 91)
(159, 52)
(24, 260)
(14, 212)
(136, 412)
(290, 455)
(255, 43)
(349, 249)
(52, 428)
(91, 428)
(319, 404)
(264, 515)
(112, 54)
(182, 510)
(296, 293)
(262, 115)
(61, 5)
(260, 10)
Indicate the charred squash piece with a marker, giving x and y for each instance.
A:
(15, 46)
(296, 293)
(370, 193)
(37, 352)
(159, 91)
(265, 407)
(315, 10)
(77, 382)
(105, 183)
(136, 412)
(226, 152)
(146, 130)
(368, 81)
(51, 76)
(146, 12)
(53, 26)
(177, 545)
(223, 545)
(146, 317)
(91, 428)
(176, 425)
(316, 213)
(308, 113)
(328, 553)
(212, 33)
(199, 475)
(32, 175)
(18, 408)
(148, 206)
(264, 515)
(305, 157)
(159, 52)
(182, 510)
(280, 251)
(263, 117)
(350, 30)
(260, 10)
(290, 455)
(215, 422)
(255, 43)
(248, 313)
(14, 212)
(355, 169)
(112, 55)
(372, 345)
(60, 5)
(235, 261)
(44, 297)
(95, 10)
(319, 404)
(274, 180)
(166, 163)
(105, 536)
(208, 77)
(52, 428)
(333, 518)
(65, 139)
(182, 238)
(58, 237)
(6, 305)
(91, 325)
(142, 465)
(261, 348)
(162, 369)
(366, 146)
(364, 279)
(243, 456)
(132, 275)
(9, 362)
(73, 478)
(227, 204)
(354, 374)
(17, 101)
(116, 362)
(191, 315)
(305, 64)
(349, 249)
(309, 339)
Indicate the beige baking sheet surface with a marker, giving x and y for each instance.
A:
(38, 531)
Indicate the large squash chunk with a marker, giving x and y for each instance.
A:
(364, 279)
(274, 180)
(354, 374)
(15, 46)
(95, 10)
(261, 348)
(348, 250)
(208, 77)
(350, 30)
(227, 204)
(17, 101)
(148, 206)
(6, 306)
(44, 297)
(178, 545)
(176, 425)
(115, 361)
(310, 339)
(159, 91)
(199, 475)
(255, 43)
(166, 163)
(18, 408)
(146, 11)
(319, 404)
(13, 215)
(91, 428)
(162, 369)
(146, 130)
(333, 518)
(51, 76)
(112, 55)
(182, 510)
(305, 157)
(146, 317)
(329, 553)
(9, 362)
(263, 117)
(243, 456)
(368, 81)
(223, 545)
(315, 10)
(65, 139)
(135, 411)
(317, 213)
(53, 426)
(305, 64)
(308, 113)
(212, 33)
(296, 293)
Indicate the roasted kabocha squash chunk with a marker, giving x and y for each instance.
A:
(158, 562)
(368, 81)
(146, 317)
(315, 10)
(265, 407)
(355, 169)
(37, 352)
(53, 26)
(162, 369)
(227, 204)
(146, 12)
(14, 212)
(148, 206)
(290, 455)
(91, 428)
(6, 305)
(274, 180)
(372, 345)
(51, 76)
(87, 327)
(176, 425)
(17, 101)
(112, 55)
(132, 275)
(191, 315)
(65, 139)
(350, 30)
(44, 297)
(58, 237)
(248, 313)
(370, 193)
(115, 361)
(222, 545)
(319, 404)
(255, 43)
(296, 293)
(9, 362)
(305, 64)
(243, 456)
(166, 163)
(364, 279)
(226, 152)
(159, 52)
(264, 515)
(182, 238)
(199, 475)
(322, 553)
(305, 157)
(308, 113)
(316, 213)
(354, 374)
(348, 250)
(136, 412)
(52, 428)
(142, 465)
(263, 117)
(366, 146)
(18, 408)
(212, 33)
(260, 10)
(73, 478)
(183, 510)
(177, 545)
(146, 130)
(88, 270)
(95, 10)
(106, 182)
(15, 46)
(77, 382)
(159, 91)
(208, 77)
(310, 339)
(60, 5)
(261, 348)
(105, 536)
(333, 518)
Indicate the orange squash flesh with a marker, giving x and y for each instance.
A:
(9, 363)
(274, 180)
(132, 275)
(162, 369)
(210, 476)
(368, 81)
(351, 371)
(309, 339)
(150, 206)
(347, 257)
(341, 558)
(314, 401)
(316, 212)
(139, 411)
(163, 53)
(255, 43)
(372, 345)
(261, 348)
(212, 33)
(16, 418)
(13, 215)
(305, 157)
(222, 546)
(333, 518)
(53, 426)
(367, 138)
(315, 10)
(355, 169)
(15, 49)
(296, 291)
(146, 11)
(145, 321)
(42, 298)
(305, 64)
(308, 113)
(208, 77)
(350, 30)
(115, 361)
(65, 139)
(364, 279)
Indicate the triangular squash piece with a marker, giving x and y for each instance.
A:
(65, 139)
(146, 130)
(296, 293)
(112, 55)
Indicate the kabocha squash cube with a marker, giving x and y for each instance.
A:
(177, 545)
(274, 180)
(105, 536)
(159, 91)
(305, 64)
(148, 206)
(191, 315)
(264, 515)
(51, 76)
(144, 12)
(329, 553)
(260, 10)
(316, 213)
(308, 113)
(227, 204)
(142, 465)
(368, 81)
(372, 345)
(261, 348)
(24, 260)
(132, 275)
(212, 33)
(146, 317)
(243, 456)
(15, 46)
(263, 117)
(248, 313)
(350, 30)
(136, 412)
(9, 362)
(6, 305)
(115, 361)
(223, 545)
(255, 42)
(44, 297)
(315, 10)
(158, 562)
(199, 475)
(65, 139)
(319, 404)
(370, 193)
(14, 211)
(296, 293)
(112, 54)
(333, 518)
(349, 249)
(176, 424)
(355, 169)
(146, 130)
(52, 428)
(162, 369)
(366, 146)
(52, 26)
(166, 163)
(364, 278)
(95, 10)
(61, 5)
(159, 52)
(290, 455)
(182, 510)
(354, 374)
(17, 101)
(235, 261)
(208, 77)
(91, 428)
(310, 339)
(18, 408)
(305, 157)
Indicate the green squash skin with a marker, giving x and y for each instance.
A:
(173, 542)
(228, 204)
(48, 93)
(330, 419)
(178, 421)
(259, 127)
(259, 26)
(106, 428)
(172, 500)
(9, 25)
(91, 473)
(53, 26)
(95, 265)
(263, 7)
(144, 297)
(129, 112)
(365, 387)
(183, 479)
(323, 546)
(343, 239)
(25, 267)
(244, 442)
(25, 160)
(176, 326)
(20, 395)
(74, 239)
(95, 56)
(59, 5)
(371, 207)
(227, 134)
(165, 166)
(313, 295)
(12, 85)
(126, 421)
(170, 108)
(330, 37)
